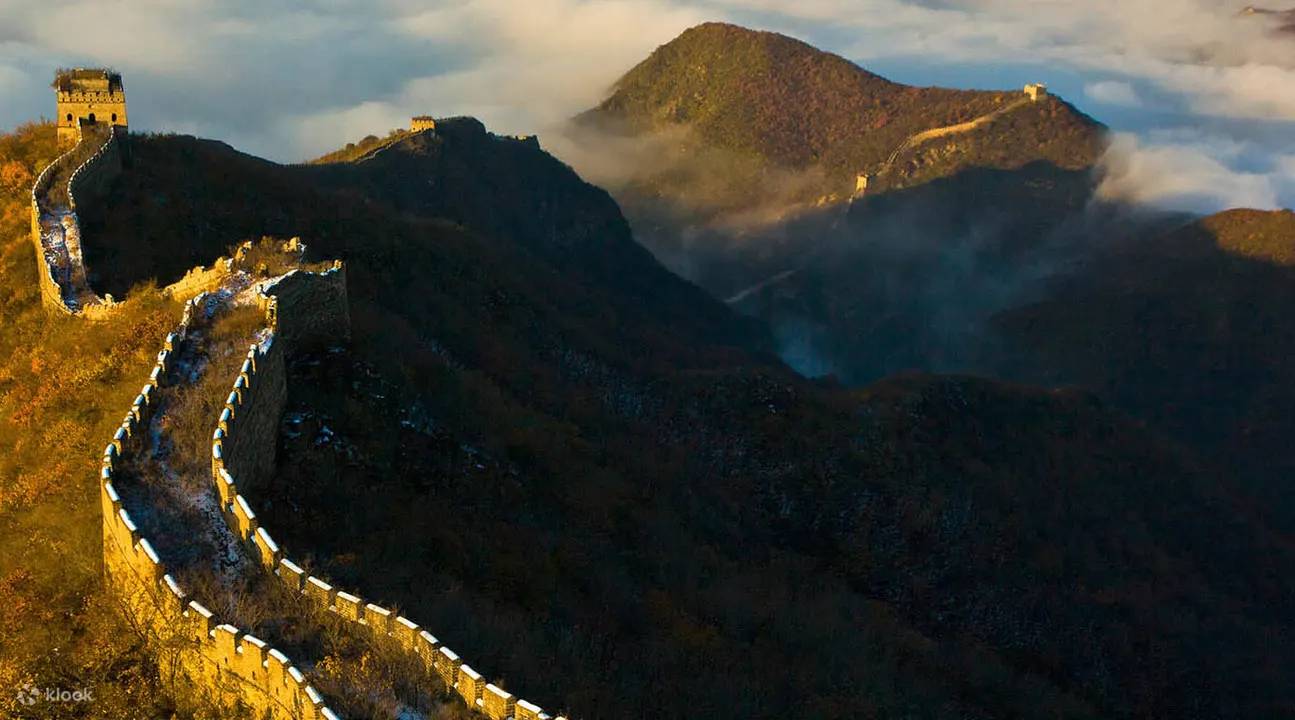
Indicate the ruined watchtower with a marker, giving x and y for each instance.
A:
(1036, 91)
(422, 122)
(88, 96)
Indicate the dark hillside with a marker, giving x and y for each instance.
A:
(1190, 330)
(509, 190)
(551, 223)
(589, 483)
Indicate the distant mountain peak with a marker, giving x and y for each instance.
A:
(772, 103)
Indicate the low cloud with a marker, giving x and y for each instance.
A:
(273, 78)
(1188, 176)
(293, 80)
(1113, 92)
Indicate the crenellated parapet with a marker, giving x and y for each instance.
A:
(87, 97)
(302, 308)
(82, 174)
(92, 178)
(50, 292)
(244, 435)
(234, 667)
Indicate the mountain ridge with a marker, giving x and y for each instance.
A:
(598, 481)
(597, 455)
(777, 99)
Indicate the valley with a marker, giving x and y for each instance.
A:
(851, 398)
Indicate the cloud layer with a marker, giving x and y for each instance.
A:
(1187, 79)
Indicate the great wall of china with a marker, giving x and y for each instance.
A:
(866, 181)
(231, 665)
(301, 307)
(56, 230)
(1032, 93)
(241, 442)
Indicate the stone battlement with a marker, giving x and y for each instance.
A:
(245, 435)
(301, 308)
(235, 668)
(56, 229)
(87, 96)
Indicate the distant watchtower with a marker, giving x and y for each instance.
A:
(861, 184)
(422, 122)
(88, 96)
(1036, 91)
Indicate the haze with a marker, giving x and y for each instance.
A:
(1204, 99)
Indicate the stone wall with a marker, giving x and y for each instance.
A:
(90, 182)
(313, 308)
(257, 395)
(233, 668)
(200, 279)
(50, 294)
(248, 428)
(56, 231)
(302, 309)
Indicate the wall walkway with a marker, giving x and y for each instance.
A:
(233, 668)
(78, 174)
(301, 308)
(239, 445)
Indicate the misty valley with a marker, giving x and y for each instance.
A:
(759, 384)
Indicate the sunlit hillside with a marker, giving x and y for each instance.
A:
(63, 384)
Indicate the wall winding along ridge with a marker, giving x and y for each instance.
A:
(302, 309)
(56, 230)
(234, 667)
(50, 292)
(245, 435)
(918, 139)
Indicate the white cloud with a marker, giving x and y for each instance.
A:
(1113, 92)
(1218, 63)
(1263, 92)
(270, 77)
(1187, 176)
(541, 62)
(292, 79)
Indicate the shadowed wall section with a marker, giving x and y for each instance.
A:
(310, 309)
(233, 669)
(303, 309)
(82, 174)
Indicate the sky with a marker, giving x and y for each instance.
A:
(1202, 101)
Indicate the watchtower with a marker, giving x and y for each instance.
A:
(1036, 91)
(422, 122)
(861, 184)
(88, 96)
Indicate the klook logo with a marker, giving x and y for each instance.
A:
(30, 695)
